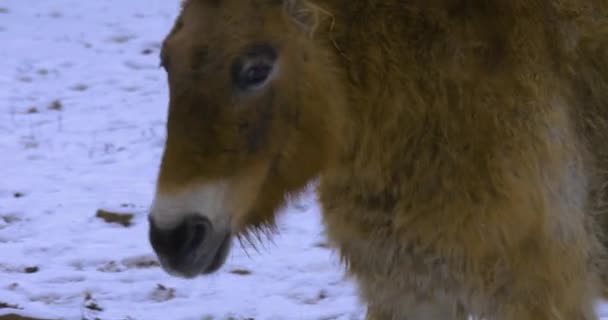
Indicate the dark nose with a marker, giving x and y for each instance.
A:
(178, 246)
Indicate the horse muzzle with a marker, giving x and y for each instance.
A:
(191, 248)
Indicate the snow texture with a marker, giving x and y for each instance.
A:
(82, 113)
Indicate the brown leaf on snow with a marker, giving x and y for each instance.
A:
(124, 219)
(13, 316)
(162, 293)
(142, 262)
(4, 305)
(56, 105)
(32, 110)
(322, 295)
(32, 269)
(90, 303)
(19, 269)
(241, 272)
(110, 266)
(93, 306)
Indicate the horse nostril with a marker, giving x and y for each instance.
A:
(197, 230)
(181, 241)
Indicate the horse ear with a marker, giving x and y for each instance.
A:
(305, 14)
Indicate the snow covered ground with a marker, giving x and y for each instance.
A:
(82, 109)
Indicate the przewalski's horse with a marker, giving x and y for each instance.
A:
(461, 145)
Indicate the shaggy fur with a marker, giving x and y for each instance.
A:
(460, 144)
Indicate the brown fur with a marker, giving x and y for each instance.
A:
(460, 144)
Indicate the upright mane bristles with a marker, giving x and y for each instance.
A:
(307, 15)
(304, 13)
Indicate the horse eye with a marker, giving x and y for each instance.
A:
(253, 68)
(256, 74)
(248, 76)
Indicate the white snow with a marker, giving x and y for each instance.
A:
(82, 111)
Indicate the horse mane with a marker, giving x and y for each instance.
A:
(304, 13)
